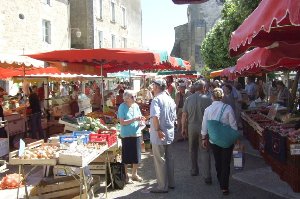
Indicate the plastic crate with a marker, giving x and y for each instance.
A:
(101, 131)
(84, 133)
(71, 139)
(97, 137)
(100, 137)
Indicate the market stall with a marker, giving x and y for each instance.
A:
(66, 152)
(273, 28)
(277, 142)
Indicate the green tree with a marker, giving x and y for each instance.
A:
(214, 48)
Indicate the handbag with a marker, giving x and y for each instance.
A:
(118, 175)
(222, 134)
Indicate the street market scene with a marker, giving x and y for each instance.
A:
(150, 99)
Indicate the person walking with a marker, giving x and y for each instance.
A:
(36, 115)
(222, 155)
(162, 118)
(180, 98)
(192, 116)
(129, 115)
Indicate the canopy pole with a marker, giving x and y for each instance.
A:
(102, 89)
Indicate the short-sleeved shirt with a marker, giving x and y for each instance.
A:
(126, 113)
(164, 108)
(195, 106)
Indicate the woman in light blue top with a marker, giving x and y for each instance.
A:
(130, 116)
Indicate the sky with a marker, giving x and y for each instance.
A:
(159, 19)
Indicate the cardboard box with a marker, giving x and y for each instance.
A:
(4, 146)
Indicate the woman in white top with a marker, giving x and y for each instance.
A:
(222, 155)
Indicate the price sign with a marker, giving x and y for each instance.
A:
(295, 149)
(21, 148)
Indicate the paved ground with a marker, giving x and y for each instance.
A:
(194, 187)
(256, 181)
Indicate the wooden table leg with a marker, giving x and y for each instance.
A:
(19, 181)
(25, 181)
(85, 183)
(109, 169)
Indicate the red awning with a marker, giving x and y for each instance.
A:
(229, 72)
(107, 57)
(189, 1)
(271, 21)
(279, 56)
(88, 61)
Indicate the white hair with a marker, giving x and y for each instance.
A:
(128, 94)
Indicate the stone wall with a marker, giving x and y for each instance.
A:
(18, 36)
(90, 23)
(201, 18)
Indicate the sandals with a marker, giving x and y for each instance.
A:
(137, 178)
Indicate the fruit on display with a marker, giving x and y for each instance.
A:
(42, 152)
(91, 124)
(11, 181)
(97, 145)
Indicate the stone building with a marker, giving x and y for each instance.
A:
(188, 37)
(33, 26)
(106, 24)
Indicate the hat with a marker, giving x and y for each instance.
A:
(160, 82)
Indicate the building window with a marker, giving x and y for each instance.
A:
(113, 11)
(100, 13)
(124, 24)
(100, 34)
(124, 42)
(46, 31)
(46, 2)
(113, 41)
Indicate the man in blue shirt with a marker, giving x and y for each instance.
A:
(163, 116)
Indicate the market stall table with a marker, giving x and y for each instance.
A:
(62, 162)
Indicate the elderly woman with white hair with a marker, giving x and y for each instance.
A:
(130, 116)
(225, 114)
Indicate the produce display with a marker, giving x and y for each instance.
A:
(78, 156)
(91, 124)
(42, 152)
(11, 181)
(282, 129)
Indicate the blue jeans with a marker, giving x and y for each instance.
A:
(36, 126)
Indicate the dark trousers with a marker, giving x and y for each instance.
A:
(222, 163)
(36, 126)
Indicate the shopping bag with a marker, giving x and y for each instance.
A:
(221, 134)
(118, 175)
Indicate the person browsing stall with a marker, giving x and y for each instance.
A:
(130, 116)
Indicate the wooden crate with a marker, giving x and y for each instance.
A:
(97, 168)
(15, 160)
(73, 160)
(66, 187)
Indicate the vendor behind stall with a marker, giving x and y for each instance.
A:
(96, 100)
(36, 116)
(283, 94)
(119, 97)
(74, 101)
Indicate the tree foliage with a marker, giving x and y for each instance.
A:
(214, 48)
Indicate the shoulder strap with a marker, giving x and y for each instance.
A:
(222, 111)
